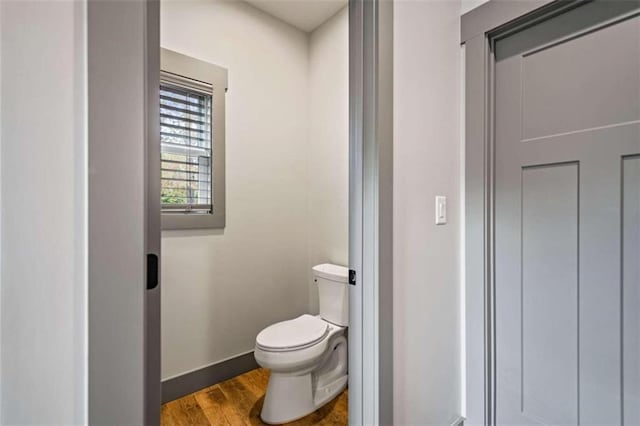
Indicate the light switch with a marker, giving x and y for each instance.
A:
(441, 210)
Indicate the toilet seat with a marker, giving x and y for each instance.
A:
(293, 335)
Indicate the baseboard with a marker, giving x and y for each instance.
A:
(458, 422)
(194, 381)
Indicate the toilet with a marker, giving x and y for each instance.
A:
(307, 355)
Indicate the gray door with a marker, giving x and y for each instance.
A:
(152, 385)
(567, 207)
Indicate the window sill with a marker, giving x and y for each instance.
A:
(192, 221)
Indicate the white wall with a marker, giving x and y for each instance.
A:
(43, 179)
(1, 34)
(0, 213)
(427, 367)
(328, 153)
(220, 288)
(468, 5)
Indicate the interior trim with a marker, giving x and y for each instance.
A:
(193, 381)
(371, 212)
(496, 13)
(458, 422)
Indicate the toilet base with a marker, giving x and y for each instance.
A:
(290, 398)
(326, 393)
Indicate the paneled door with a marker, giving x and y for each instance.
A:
(567, 219)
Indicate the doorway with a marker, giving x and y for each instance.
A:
(370, 194)
(123, 225)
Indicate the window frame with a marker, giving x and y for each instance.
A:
(179, 69)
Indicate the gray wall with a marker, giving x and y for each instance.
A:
(43, 186)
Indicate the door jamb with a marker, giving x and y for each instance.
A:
(371, 211)
(480, 28)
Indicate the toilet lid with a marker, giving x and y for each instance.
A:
(298, 333)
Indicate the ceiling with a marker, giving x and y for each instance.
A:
(305, 15)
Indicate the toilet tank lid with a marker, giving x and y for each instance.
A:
(332, 272)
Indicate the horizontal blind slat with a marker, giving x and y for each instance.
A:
(180, 91)
(164, 117)
(182, 110)
(179, 127)
(186, 163)
(196, 105)
(187, 137)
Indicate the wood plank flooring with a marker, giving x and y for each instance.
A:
(238, 401)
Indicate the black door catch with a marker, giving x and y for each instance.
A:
(152, 271)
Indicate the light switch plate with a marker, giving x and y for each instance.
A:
(441, 210)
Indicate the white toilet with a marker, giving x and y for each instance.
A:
(307, 355)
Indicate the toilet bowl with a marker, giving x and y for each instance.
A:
(307, 355)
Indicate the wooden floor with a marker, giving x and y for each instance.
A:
(238, 402)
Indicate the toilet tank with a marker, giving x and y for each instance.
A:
(333, 292)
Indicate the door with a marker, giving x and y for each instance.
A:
(567, 206)
(152, 384)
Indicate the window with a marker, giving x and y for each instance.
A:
(185, 137)
(192, 186)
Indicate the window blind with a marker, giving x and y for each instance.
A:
(185, 140)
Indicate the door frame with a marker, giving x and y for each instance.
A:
(480, 28)
(371, 211)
